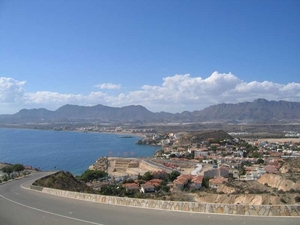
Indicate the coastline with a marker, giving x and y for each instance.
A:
(66, 151)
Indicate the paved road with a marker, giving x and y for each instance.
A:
(19, 206)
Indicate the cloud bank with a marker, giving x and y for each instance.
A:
(175, 94)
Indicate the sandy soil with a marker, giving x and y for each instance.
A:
(274, 140)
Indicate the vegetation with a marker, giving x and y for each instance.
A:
(205, 182)
(90, 175)
(18, 168)
(147, 176)
(63, 181)
(260, 161)
(113, 190)
(9, 170)
(173, 175)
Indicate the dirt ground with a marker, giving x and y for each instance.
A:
(3, 165)
(274, 140)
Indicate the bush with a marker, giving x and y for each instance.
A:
(173, 175)
(147, 176)
(205, 182)
(297, 199)
(90, 175)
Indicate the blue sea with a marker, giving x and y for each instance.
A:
(63, 150)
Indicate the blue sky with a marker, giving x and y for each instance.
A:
(165, 55)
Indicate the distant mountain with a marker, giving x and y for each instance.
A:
(259, 110)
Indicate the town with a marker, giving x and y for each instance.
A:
(215, 162)
(196, 166)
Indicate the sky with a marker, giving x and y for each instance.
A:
(166, 55)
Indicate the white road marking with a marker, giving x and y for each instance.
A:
(51, 213)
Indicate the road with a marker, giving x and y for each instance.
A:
(19, 206)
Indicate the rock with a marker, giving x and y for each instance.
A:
(279, 182)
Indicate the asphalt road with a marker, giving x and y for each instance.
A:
(19, 206)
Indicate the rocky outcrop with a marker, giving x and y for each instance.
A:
(225, 189)
(249, 199)
(63, 181)
(292, 167)
(279, 182)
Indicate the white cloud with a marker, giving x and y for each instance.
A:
(11, 90)
(175, 94)
(109, 86)
(54, 100)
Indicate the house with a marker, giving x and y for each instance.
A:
(154, 182)
(197, 182)
(271, 169)
(221, 172)
(181, 181)
(178, 184)
(28, 168)
(207, 161)
(235, 174)
(147, 188)
(216, 182)
(254, 172)
(200, 153)
(131, 187)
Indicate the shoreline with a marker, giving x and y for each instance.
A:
(94, 151)
(79, 131)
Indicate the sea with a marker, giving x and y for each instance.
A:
(65, 150)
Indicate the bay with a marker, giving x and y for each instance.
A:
(63, 150)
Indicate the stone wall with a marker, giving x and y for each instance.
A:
(254, 210)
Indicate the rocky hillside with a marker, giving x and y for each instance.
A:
(249, 199)
(279, 182)
(63, 181)
(291, 168)
(254, 192)
(259, 110)
(198, 137)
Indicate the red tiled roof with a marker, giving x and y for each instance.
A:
(218, 180)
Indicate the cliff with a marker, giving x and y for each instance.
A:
(251, 199)
(279, 182)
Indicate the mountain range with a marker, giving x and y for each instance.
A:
(258, 111)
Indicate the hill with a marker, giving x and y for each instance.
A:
(63, 181)
(198, 137)
(258, 111)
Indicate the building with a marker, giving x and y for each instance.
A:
(221, 172)
(217, 182)
(131, 187)
(147, 188)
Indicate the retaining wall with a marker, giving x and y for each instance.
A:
(254, 210)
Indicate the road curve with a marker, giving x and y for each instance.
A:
(19, 206)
